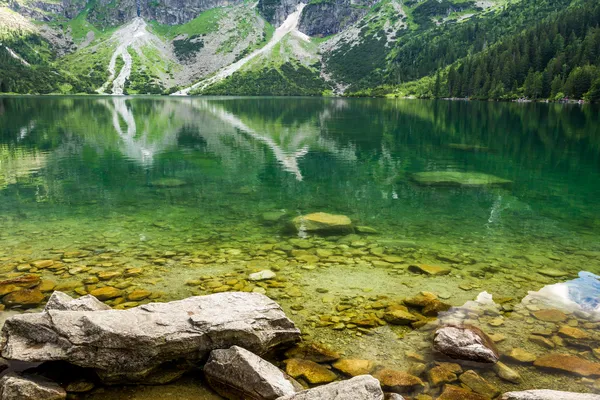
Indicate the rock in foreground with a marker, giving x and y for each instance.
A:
(125, 345)
(236, 373)
(322, 223)
(363, 387)
(13, 387)
(465, 344)
(458, 179)
(548, 395)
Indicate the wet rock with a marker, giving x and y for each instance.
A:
(312, 351)
(354, 367)
(479, 385)
(520, 355)
(79, 386)
(263, 275)
(363, 387)
(421, 300)
(366, 230)
(138, 294)
(465, 343)
(434, 307)
(272, 217)
(106, 293)
(398, 381)
(550, 315)
(127, 344)
(440, 375)
(458, 179)
(63, 302)
(399, 317)
(568, 363)
(452, 392)
(108, 275)
(236, 373)
(322, 223)
(548, 395)
(42, 263)
(553, 273)
(15, 387)
(26, 298)
(428, 269)
(573, 333)
(311, 371)
(542, 341)
(507, 373)
(46, 286)
(21, 282)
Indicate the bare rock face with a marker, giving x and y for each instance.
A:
(236, 373)
(64, 302)
(548, 395)
(126, 345)
(363, 387)
(15, 387)
(465, 344)
(330, 17)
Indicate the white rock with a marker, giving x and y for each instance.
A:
(548, 395)
(64, 302)
(15, 387)
(262, 275)
(236, 373)
(125, 345)
(363, 387)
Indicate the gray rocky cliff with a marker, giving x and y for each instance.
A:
(276, 11)
(332, 16)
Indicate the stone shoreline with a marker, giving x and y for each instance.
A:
(247, 349)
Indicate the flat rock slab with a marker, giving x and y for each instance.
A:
(458, 179)
(548, 395)
(13, 387)
(568, 363)
(236, 373)
(126, 345)
(323, 223)
(363, 387)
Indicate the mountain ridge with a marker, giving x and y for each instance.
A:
(337, 47)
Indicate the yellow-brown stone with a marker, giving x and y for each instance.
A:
(452, 392)
(311, 371)
(550, 315)
(397, 381)
(568, 363)
(138, 294)
(26, 298)
(354, 367)
(106, 293)
(18, 283)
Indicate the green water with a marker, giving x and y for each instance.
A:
(179, 186)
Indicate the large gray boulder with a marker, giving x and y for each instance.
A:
(362, 387)
(64, 302)
(548, 395)
(15, 387)
(127, 345)
(467, 344)
(236, 373)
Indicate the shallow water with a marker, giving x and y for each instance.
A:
(180, 186)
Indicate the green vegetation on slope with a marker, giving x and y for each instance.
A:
(557, 57)
(206, 22)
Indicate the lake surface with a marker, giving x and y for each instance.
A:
(198, 193)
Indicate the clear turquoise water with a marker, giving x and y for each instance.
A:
(127, 179)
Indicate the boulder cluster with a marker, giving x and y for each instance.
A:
(234, 338)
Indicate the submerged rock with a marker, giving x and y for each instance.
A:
(236, 373)
(21, 282)
(457, 393)
(309, 370)
(465, 343)
(15, 387)
(312, 351)
(363, 387)
(548, 395)
(479, 385)
(354, 367)
(568, 363)
(428, 269)
(25, 298)
(127, 344)
(458, 179)
(263, 275)
(398, 381)
(322, 223)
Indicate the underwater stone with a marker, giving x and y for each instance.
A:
(478, 384)
(128, 344)
(465, 343)
(21, 282)
(354, 367)
(458, 179)
(548, 395)
(15, 387)
(428, 269)
(106, 293)
(236, 373)
(550, 315)
(568, 363)
(399, 317)
(452, 392)
(322, 223)
(440, 375)
(507, 373)
(25, 298)
(313, 351)
(520, 355)
(363, 387)
(398, 381)
(309, 370)
(262, 275)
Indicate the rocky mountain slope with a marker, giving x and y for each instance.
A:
(278, 47)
